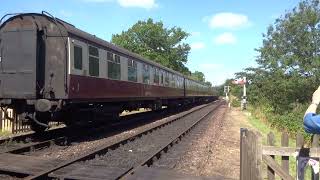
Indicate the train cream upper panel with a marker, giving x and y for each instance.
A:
(165, 78)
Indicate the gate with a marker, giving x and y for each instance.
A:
(253, 154)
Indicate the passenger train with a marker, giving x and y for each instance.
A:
(52, 71)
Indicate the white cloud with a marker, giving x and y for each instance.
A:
(195, 34)
(227, 20)
(225, 38)
(146, 4)
(197, 45)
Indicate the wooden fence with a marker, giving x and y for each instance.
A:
(16, 125)
(253, 154)
(12, 126)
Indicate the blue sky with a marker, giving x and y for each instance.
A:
(224, 33)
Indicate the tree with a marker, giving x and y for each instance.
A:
(154, 41)
(289, 61)
(208, 83)
(199, 76)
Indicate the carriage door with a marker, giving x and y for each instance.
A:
(18, 48)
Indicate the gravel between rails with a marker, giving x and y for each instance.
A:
(189, 156)
(76, 149)
(132, 153)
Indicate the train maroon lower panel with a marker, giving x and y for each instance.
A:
(84, 87)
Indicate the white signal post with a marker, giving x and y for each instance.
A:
(244, 97)
(226, 91)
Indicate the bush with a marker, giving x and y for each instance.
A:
(235, 103)
(291, 122)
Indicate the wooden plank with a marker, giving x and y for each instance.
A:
(242, 152)
(299, 144)
(1, 119)
(276, 167)
(315, 144)
(285, 159)
(258, 157)
(270, 141)
(289, 151)
(25, 164)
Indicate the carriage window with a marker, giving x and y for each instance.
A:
(146, 74)
(162, 79)
(114, 71)
(77, 57)
(93, 61)
(156, 76)
(166, 79)
(109, 56)
(132, 70)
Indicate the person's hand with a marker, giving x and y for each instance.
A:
(316, 96)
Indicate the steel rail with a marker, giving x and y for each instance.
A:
(61, 134)
(104, 148)
(149, 160)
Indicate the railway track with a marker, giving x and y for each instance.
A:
(30, 142)
(14, 154)
(80, 164)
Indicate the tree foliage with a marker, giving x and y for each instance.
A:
(154, 41)
(288, 66)
(289, 61)
(197, 75)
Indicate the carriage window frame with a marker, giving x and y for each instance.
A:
(156, 75)
(166, 78)
(114, 66)
(93, 61)
(77, 62)
(132, 70)
(146, 74)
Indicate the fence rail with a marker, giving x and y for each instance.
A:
(14, 124)
(253, 154)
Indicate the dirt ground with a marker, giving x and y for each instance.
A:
(217, 152)
(225, 160)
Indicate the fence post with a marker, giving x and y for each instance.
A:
(1, 119)
(271, 141)
(315, 144)
(258, 156)
(285, 159)
(243, 149)
(299, 144)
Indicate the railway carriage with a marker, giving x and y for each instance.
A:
(50, 70)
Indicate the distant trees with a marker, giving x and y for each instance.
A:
(155, 42)
(289, 61)
(199, 76)
(288, 66)
(160, 44)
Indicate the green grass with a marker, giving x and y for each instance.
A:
(264, 129)
(5, 133)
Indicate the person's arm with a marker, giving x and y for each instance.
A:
(311, 109)
(311, 120)
(315, 102)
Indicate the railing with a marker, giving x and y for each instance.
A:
(12, 126)
(15, 126)
(253, 154)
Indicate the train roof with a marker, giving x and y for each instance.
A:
(72, 30)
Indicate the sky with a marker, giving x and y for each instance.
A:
(223, 33)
